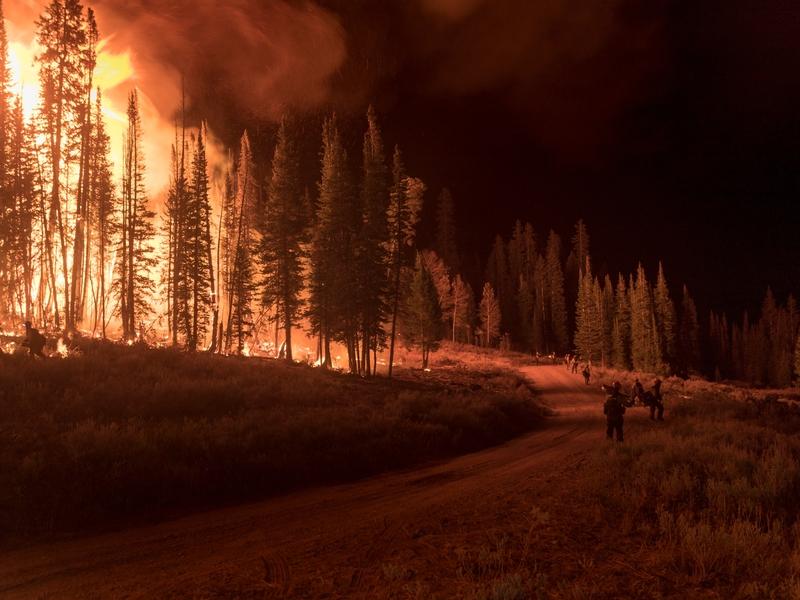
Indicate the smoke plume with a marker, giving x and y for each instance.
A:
(257, 57)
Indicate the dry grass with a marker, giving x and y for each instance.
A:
(711, 500)
(120, 433)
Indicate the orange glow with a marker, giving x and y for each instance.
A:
(24, 75)
(114, 74)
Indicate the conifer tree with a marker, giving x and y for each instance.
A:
(605, 295)
(645, 346)
(621, 331)
(665, 317)
(541, 313)
(135, 259)
(102, 205)
(283, 238)
(62, 37)
(440, 276)
(516, 256)
(689, 335)
(489, 313)
(239, 241)
(331, 311)
(446, 238)
(405, 205)
(498, 274)
(526, 304)
(589, 317)
(177, 284)
(422, 317)
(7, 234)
(580, 244)
(557, 325)
(198, 266)
(372, 256)
(83, 121)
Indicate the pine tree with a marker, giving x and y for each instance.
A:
(498, 274)
(405, 205)
(580, 243)
(526, 304)
(7, 234)
(557, 325)
(198, 266)
(372, 256)
(331, 313)
(102, 204)
(440, 275)
(446, 237)
(489, 315)
(665, 318)
(607, 313)
(283, 239)
(590, 318)
(62, 36)
(689, 335)
(621, 330)
(421, 324)
(645, 346)
(239, 240)
(541, 313)
(20, 214)
(135, 259)
(83, 120)
(177, 284)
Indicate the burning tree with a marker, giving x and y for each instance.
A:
(102, 214)
(135, 258)
(238, 221)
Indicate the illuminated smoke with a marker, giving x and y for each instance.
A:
(258, 57)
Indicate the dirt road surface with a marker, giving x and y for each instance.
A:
(405, 531)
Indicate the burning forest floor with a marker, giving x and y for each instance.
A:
(703, 505)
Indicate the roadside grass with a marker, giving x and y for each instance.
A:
(705, 505)
(119, 434)
(712, 497)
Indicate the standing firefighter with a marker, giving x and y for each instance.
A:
(657, 401)
(637, 393)
(34, 341)
(614, 410)
(587, 374)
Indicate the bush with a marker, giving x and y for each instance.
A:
(721, 485)
(119, 432)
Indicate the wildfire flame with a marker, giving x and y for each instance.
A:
(115, 74)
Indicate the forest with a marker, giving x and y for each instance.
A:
(254, 251)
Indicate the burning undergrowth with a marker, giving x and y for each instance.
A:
(115, 433)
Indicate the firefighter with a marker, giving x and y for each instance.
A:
(587, 374)
(34, 341)
(614, 410)
(637, 393)
(657, 401)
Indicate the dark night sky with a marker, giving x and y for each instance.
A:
(677, 135)
(672, 128)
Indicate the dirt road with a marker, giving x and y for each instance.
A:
(347, 540)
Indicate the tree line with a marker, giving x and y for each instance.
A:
(81, 249)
